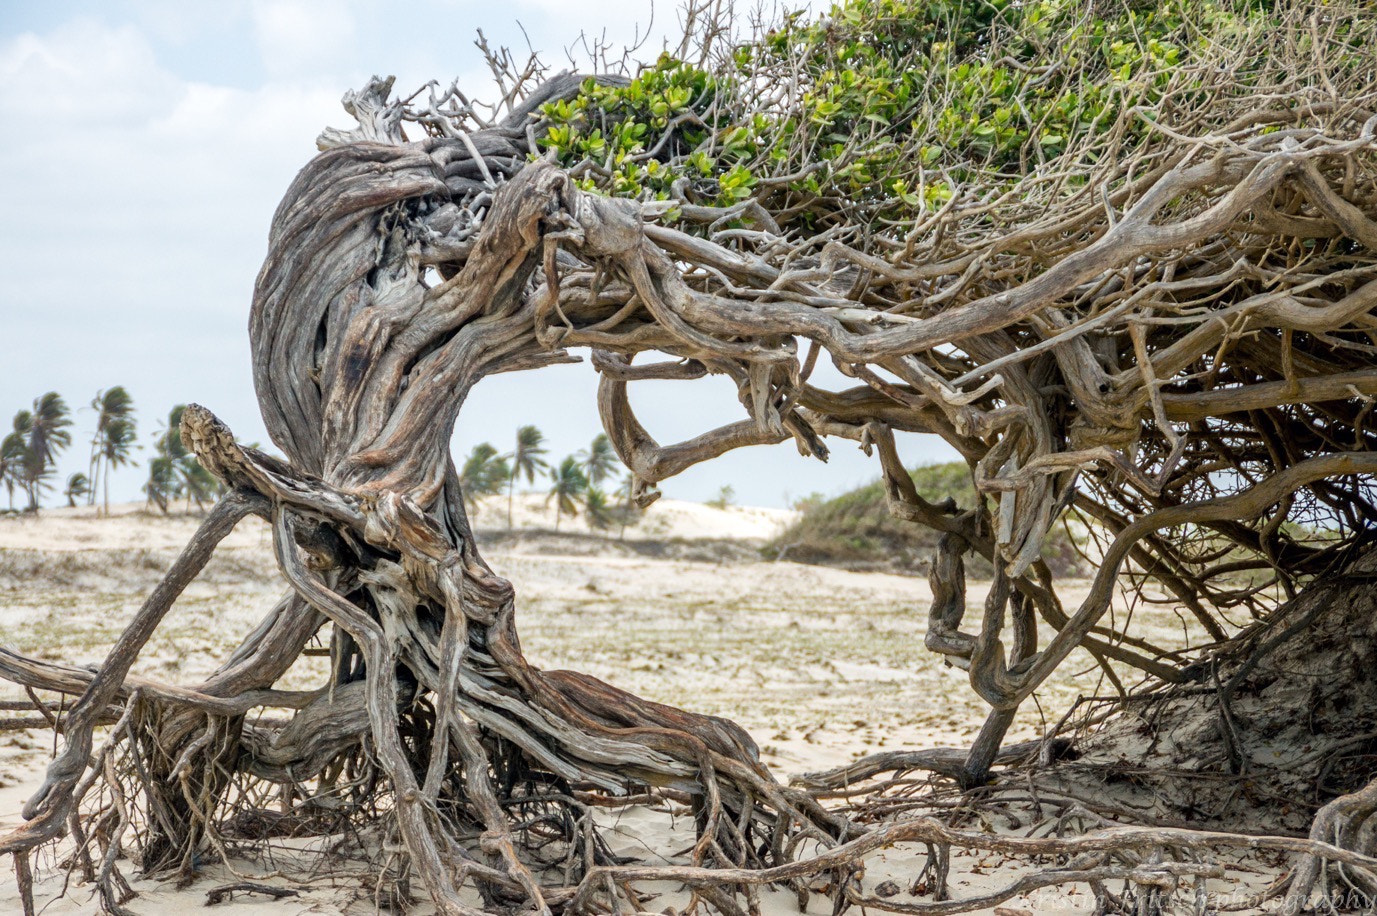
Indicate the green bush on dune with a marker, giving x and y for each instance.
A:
(856, 531)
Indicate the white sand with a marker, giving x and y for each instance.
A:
(820, 665)
(665, 518)
(141, 527)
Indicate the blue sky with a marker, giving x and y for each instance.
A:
(147, 143)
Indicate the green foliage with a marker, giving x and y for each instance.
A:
(621, 138)
(484, 473)
(484, 470)
(118, 442)
(49, 435)
(528, 456)
(196, 483)
(600, 461)
(892, 105)
(856, 531)
(111, 404)
(601, 513)
(12, 449)
(568, 486)
(526, 459)
(78, 485)
(175, 472)
(724, 498)
(28, 453)
(114, 437)
(161, 486)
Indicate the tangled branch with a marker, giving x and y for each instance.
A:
(1126, 267)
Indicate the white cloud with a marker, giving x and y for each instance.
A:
(83, 73)
(303, 37)
(136, 215)
(180, 22)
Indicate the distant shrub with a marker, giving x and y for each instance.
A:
(856, 531)
(725, 497)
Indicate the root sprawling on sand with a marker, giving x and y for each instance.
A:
(1160, 320)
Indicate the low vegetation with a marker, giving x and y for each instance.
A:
(28, 454)
(856, 530)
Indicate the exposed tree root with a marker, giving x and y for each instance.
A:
(1168, 331)
(524, 836)
(436, 705)
(1345, 822)
(1279, 724)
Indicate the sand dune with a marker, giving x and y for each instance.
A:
(139, 526)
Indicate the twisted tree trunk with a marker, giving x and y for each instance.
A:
(1172, 336)
(362, 367)
(362, 370)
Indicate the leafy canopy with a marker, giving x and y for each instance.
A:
(882, 108)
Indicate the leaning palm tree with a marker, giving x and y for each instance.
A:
(47, 436)
(483, 474)
(569, 484)
(600, 461)
(601, 513)
(116, 447)
(78, 486)
(178, 473)
(16, 446)
(12, 449)
(161, 486)
(195, 482)
(169, 441)
(525, 460)
(112, 406)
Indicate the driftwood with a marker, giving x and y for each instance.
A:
(1178, 347)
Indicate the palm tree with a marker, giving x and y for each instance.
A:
(162, 482)
(47, 436)
(196, 483)
(483, 474)
(601, 513)
(12, 449)
(525, 459)
(600, 461)
(116, 446)
(569, 485)
(174, 471)
(78, 485)
(170, 435)
(112, 406)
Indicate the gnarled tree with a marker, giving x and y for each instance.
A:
(1123, 258)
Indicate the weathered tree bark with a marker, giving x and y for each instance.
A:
(361, 372)
(1178, 348)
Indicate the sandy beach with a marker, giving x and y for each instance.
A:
(820, 665)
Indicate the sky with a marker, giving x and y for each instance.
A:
(146, 145)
